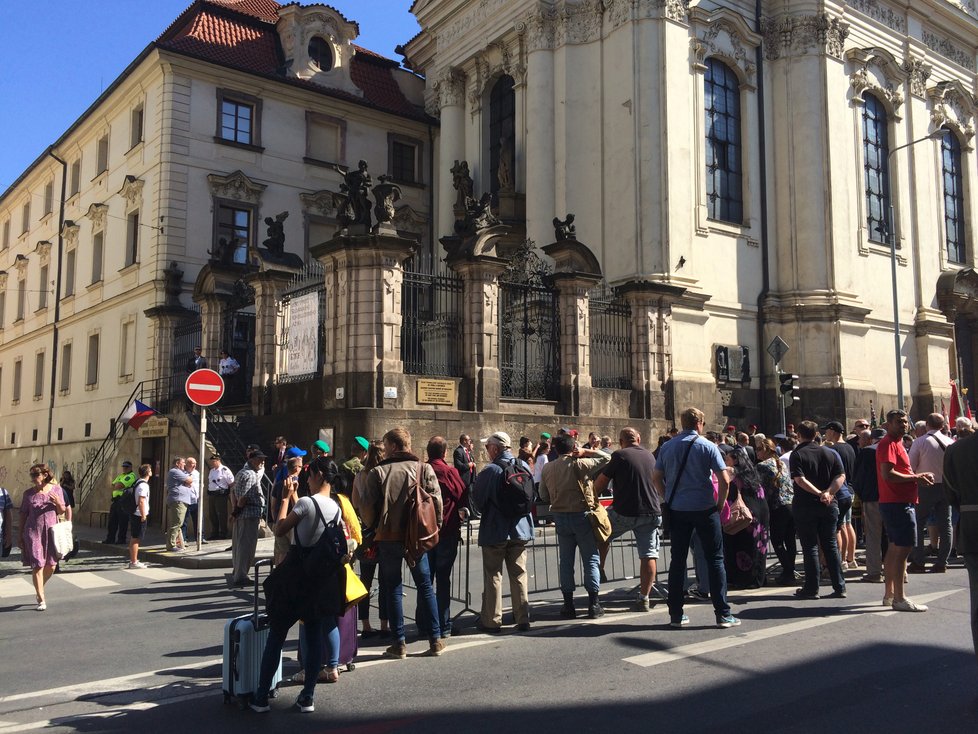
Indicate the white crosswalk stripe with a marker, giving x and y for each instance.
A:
(15, 586)
(19, 585)
(156, 574)
(86, 580)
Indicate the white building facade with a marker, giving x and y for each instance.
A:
(738, 160)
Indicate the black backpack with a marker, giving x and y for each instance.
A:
(327, 553)
(127, 502)
(515, 495)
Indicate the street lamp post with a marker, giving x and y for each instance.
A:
(891, 236)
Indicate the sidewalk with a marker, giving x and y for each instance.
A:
(215, 554)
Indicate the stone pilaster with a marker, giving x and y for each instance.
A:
(364, 274)
(651, 306)
(480, 387)
(575, 342)
(211, 326)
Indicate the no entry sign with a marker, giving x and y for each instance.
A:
(205, 387)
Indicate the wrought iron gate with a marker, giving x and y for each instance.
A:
(529, 329)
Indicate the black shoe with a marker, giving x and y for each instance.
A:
(803, 594)
(488, 630)
(594, 611)
(523, 626)
(837, 595)
(568, 612)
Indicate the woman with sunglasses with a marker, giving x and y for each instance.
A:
(39, 509)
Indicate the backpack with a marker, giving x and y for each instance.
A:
(421, 534)
(328, 552)
(127, 502)
(514, 498)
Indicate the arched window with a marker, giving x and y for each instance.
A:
(502, 132)
(320, 53)
(876, 151)
(724, 174)
(953, 196)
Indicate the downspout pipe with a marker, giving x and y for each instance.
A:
(761, 360)
(57, 292)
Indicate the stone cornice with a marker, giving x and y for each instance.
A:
(97, 212)
(955, 107)
(813, 308)
(235, 186)
(876, 70)
(324, 203)
(800, 35)
(132, 190)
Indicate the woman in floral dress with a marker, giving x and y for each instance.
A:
(39, 510)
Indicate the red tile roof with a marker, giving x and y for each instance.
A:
(241, 34)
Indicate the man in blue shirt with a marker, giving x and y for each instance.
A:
(682, 477)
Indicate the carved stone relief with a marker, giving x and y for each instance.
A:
(877, 70)
(800, 35)
(43, 249)
(953, 106)
(880, 12)
(96, 213)
(722, 38)
(948, 50)
(132, 190)
(450, 88)
(323, 203)
(70, 233)
(235, 186)
(918, 72)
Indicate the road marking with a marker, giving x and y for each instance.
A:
(15, 586)
(86, 580)
(155, 574)
(647, 660)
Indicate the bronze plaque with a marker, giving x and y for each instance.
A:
(436, 392)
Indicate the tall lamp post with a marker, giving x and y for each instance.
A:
(891, 236)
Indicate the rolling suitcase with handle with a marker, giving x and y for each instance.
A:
(244, 644)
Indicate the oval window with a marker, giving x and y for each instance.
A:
(320, 54)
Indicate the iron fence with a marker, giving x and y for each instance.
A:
(431, 327)
(529, 341)
(611, 339)
(302, 326)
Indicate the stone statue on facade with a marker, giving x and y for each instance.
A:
(565, 229)
(172, 284)
(464, 185)
(504, 172)
(386, 194)
(478, 216)
(275, 243)
(224, 251)
(356, 188)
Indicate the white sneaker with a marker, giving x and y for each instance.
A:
(908, 605)
(138, 564)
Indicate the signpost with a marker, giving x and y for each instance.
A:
(204, 388)
(777, 349)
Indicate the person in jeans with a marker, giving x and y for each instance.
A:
(384, 506)
(368, 551)
(927, 455)
(683, 477)
(779, 491)
(249, 505)
(565, 483)
(960, 475)
(635, 507)
(866, 486)
(818, 476)
(502, 539)
(178, 498)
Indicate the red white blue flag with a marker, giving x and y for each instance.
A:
(137, 413)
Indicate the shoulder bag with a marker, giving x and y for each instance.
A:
(666, 509)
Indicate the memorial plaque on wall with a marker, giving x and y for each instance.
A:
(732, 363)
(156, 426)
(436, 392)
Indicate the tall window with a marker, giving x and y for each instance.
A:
(502, 131)
(3, 308)
(75, 178)
(127, 350)
(236, 121)
(70, 264)
(42, 288)
(234, 228)
(48, 197)
(39, 374)
(18, 375)
(98, 249)
(5, 243)
(102, 155)
(136, 127)
(404, 162)
(724, 173)
(21, 299)
(25, 216)
(953, 196)
(65, 367)
(132, 238)
(91, 374)
(876, 151)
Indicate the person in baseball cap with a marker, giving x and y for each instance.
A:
(834, 426)
(499, 438)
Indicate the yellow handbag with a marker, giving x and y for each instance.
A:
(355, 590)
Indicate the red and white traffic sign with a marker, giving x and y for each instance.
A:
(205, 387)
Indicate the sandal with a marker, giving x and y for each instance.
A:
(328, 675)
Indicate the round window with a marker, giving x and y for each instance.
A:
(320, 53)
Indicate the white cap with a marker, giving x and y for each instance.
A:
(500, 438)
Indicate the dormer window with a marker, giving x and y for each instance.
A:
(320, 54)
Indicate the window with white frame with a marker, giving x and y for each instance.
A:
(74, 180)
(136, 127)
(91, 372)
(102, 154)
(65, 384)
(724, 169)
(132, 238)
(127, 349)
(18, 376)
(38, 375)
(98, 254)
(71, 260)
(954, 212)
(48, 197)
(238, 118)
(42, 288)
(21, 299)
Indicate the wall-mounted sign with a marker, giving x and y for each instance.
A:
(732, 363)
(156, 426)
(436, 392)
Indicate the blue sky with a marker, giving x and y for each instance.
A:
(56, 56)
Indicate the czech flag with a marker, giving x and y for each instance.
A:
(137, 413)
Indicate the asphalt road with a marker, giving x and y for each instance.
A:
(136, 651)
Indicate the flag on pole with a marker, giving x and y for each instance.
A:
(872, 415)
(137, 413)
(956, 409)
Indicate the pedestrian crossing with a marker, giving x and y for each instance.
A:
(20, 585)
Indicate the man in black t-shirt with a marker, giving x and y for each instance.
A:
(635, 506)
(818, 476)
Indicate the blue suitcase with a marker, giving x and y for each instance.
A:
(244, 644)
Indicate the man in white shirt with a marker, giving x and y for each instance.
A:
(219, 482)
(190, 466)
(137, 523)
(927, 455)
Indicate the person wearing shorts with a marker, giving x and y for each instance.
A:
(137, 523)
(635, 507)
(898, 508)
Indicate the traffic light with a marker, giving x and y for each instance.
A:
(788, 387)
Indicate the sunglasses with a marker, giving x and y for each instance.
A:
(35, 473)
